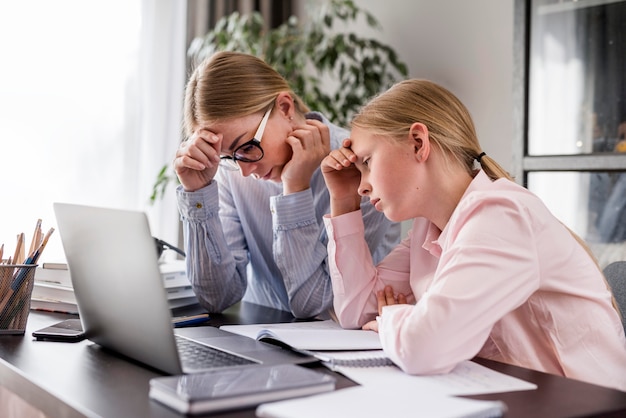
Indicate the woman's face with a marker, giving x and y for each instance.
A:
(276, 151)
(388, 174)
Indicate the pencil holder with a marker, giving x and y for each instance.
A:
(16, 287)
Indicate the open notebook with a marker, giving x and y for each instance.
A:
(325, 340)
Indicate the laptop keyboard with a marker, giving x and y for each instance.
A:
(199, 356)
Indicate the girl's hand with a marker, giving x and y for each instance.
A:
(342, 179)
(310, 143)
(385, 297)
(197, 159)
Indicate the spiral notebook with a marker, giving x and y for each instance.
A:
(358, 358)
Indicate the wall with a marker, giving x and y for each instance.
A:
(467, 46)
(464, 45)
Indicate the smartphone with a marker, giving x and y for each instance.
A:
(70, 330)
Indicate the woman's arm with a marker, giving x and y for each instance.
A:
(217, 273)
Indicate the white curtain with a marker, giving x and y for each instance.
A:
(90, 109)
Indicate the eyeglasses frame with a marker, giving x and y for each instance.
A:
(230, 161)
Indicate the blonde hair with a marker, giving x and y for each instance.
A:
(450, 126)
(229, 85)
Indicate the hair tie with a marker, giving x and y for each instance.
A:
(481, 155)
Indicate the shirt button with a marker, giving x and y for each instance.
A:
(199, 205)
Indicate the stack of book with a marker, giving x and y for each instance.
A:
(53, 291)
(177, 285)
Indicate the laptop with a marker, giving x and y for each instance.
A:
(122, 302)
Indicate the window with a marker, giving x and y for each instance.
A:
(571, 123)
(90, 99)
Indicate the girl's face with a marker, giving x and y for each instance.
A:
(389, 173)
(276, 151)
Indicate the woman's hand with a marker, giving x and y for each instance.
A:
(342, 179)
(197, 159)
(310, 143)
(385, 297)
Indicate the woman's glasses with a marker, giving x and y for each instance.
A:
(251, 151)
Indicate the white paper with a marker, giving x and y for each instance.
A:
(468, 378)
(377, 402)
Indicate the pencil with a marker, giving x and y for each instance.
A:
(34, 242)
(18, 248)
(11, 301)
(11, 297)
(6, 278)
(1, 253)
(43, 244)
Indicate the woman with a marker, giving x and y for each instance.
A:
(486, 270)
(264, 239)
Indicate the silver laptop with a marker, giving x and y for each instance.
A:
(122, 302)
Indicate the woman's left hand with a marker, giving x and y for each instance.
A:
(310, 143)
(385, 297)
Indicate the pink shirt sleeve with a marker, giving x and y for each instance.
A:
(355, 278)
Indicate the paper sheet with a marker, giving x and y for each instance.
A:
(468, 378)
(377, 402)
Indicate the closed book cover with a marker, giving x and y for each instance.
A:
(229, 389)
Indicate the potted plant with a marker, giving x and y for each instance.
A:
(311, 55)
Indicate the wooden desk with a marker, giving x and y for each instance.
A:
(82, 379)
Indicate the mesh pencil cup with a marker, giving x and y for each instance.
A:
(16, 288)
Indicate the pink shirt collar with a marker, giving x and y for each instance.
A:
(434, 236)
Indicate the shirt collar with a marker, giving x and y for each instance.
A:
(433, 235)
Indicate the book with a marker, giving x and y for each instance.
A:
(180, 292)
(49, 265)
(228, 389)
(381, 401)
(177, 284)
(57, 273)
(50, 305)
(174, 274)
(325, 340)
(310, 335)
(52, 291)
(182, 302)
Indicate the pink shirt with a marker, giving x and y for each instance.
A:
(504, 280)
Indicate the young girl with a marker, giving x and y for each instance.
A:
(255, 226)
(486, 270)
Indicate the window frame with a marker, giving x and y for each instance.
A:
(522, 162)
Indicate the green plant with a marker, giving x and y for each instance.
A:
(332, 70)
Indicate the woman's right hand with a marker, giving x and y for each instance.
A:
(342, 179)
(197, 159)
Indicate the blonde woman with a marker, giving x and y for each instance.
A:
(486, 270)
(253, 228)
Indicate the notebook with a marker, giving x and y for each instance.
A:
(122, 302)
(326, 340)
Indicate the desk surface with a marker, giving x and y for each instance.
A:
(82, 379)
